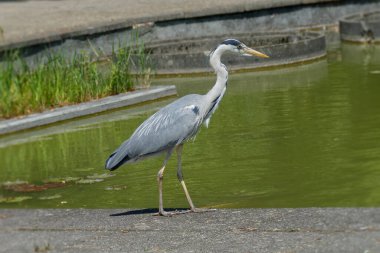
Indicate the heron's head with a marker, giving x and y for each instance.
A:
(236, 46)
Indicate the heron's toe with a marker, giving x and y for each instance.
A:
(202, 210)
(169, 214)
(164, 213)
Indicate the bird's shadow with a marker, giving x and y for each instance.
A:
(146, 211)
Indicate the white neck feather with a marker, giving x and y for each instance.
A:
(221, 73)
(215, 95)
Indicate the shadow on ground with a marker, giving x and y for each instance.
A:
(146, 211)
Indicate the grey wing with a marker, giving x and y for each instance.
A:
(168, 127)
(164, 129)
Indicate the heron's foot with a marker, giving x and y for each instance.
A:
(169, 214)
(202, 210)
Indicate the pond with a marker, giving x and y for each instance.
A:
(301, 136)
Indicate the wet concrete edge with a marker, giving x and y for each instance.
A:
(87, 108)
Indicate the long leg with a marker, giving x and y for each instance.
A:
(180, 178)
(160, 176)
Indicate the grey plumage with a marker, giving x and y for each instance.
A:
(173, 124)
(178, 122)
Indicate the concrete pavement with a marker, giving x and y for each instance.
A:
(25, 23)
(225, 230)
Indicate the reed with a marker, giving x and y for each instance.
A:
(60, 81)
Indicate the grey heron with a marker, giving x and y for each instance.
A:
(170, 127)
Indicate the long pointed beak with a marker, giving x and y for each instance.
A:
(253, 52)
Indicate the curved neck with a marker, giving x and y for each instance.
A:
(221, 73)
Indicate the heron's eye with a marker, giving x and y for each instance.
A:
(239, 47)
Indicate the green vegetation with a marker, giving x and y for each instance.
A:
(61, 81)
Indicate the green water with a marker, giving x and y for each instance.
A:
(301, 136)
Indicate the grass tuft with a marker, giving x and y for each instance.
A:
(61, 81)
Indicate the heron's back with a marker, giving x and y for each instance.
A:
(168, 127)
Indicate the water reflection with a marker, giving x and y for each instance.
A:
(292, 137)
(361, 54)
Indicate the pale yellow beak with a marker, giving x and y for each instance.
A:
(253, 52)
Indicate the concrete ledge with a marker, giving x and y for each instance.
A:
(69, 112)
(190, 56)
(70, 18)
(362, 27)
(225, 230)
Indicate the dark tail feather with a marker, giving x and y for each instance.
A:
(113, 164)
